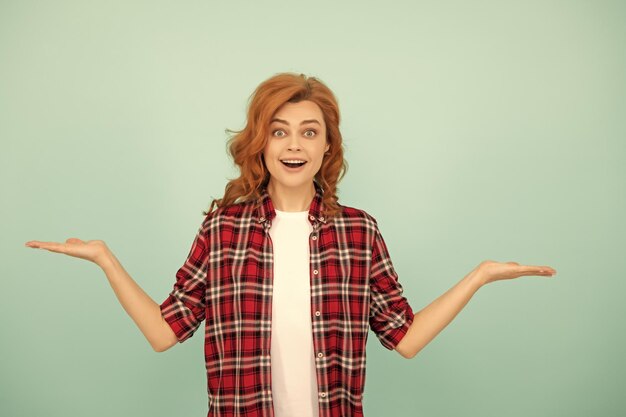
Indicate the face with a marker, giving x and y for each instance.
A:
(297, 134)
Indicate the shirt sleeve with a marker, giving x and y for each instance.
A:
(183, 309)
(390, 313)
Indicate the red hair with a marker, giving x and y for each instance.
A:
(246, 145)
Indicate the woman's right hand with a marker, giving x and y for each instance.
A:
(144, 311)
(91, 250)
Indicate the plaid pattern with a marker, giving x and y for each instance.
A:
(227, 281)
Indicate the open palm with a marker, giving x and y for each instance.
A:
(91, 250)
(493, 271)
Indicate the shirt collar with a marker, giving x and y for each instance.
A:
(265, 213)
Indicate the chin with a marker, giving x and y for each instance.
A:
(293, 183)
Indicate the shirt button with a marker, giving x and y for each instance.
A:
(314, 237)
(311, 217)
(319, 355)
(262, 219)
(322, 218)
(322, 394)
(315, 271)
(317, 313)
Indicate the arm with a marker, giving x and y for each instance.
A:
(142, 309)
(431, 320)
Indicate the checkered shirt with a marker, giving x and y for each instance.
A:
(226, 281)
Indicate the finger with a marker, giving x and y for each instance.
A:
(54, 247)
(539, 270)
(546, 269)
(35, 243)
(51, 246)
(74, 240)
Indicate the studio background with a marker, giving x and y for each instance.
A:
(473, 130)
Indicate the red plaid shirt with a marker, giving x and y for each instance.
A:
(227, 281)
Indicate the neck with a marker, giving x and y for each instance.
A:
(291, 198)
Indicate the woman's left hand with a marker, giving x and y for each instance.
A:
(489, 271)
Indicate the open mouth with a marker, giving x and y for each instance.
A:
(293, 163)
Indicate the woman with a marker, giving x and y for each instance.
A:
(288, 280)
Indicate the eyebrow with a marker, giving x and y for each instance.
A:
(308, 121)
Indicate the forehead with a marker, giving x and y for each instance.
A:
(296, 112)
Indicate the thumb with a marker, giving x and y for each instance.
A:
(74, 240)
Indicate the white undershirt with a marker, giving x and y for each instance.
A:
(294, 381)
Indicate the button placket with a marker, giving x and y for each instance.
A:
(316, 275)
(314, 248)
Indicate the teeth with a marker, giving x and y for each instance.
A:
(293, 161)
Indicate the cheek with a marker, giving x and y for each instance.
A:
(269, 149)
(269, 156)
(266, 154)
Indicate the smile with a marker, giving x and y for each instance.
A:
(293, 163)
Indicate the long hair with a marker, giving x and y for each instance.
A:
(246, 145)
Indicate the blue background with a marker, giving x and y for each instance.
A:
(473, 130)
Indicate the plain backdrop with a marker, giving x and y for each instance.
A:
(473, 130)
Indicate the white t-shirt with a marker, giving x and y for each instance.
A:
(294, 381)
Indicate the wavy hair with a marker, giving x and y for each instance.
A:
(246, 145)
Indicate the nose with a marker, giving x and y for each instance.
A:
(294, 143)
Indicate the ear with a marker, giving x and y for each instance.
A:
(327, 148)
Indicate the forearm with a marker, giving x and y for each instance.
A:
(144, 311)
(432, 319)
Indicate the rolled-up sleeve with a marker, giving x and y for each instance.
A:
(390, 313)
(184, 308)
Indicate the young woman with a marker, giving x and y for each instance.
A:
(287, 280)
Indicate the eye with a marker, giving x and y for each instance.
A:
(274, 133)
(310, 130)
